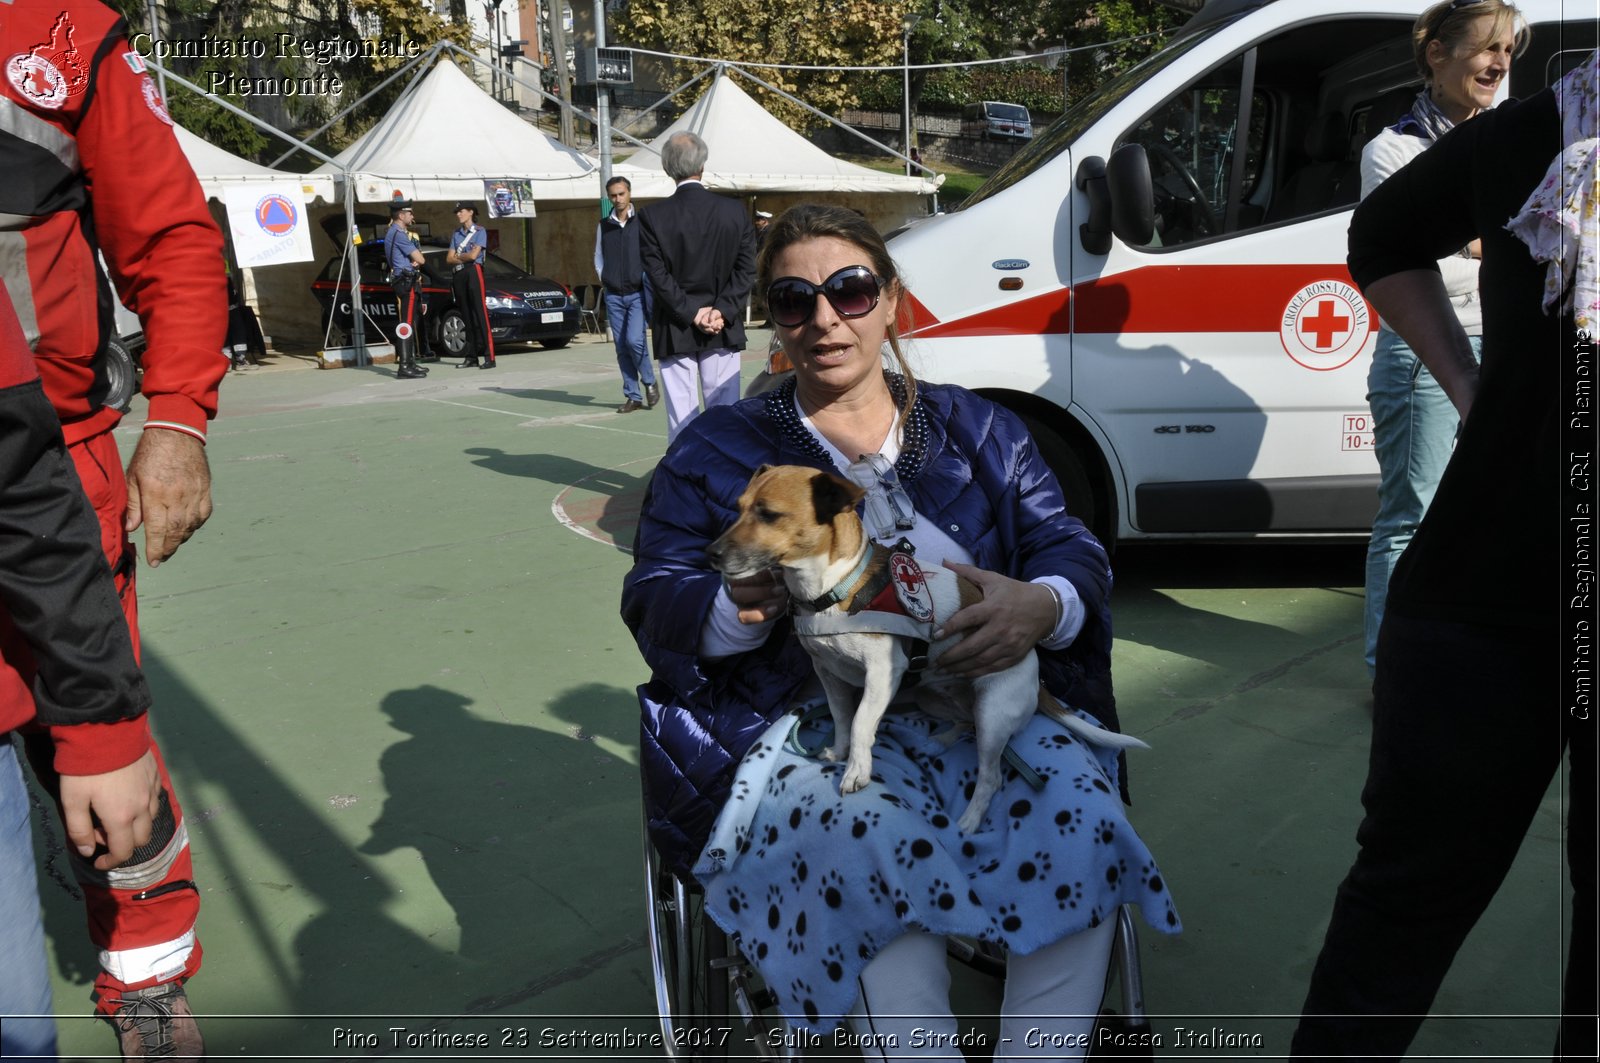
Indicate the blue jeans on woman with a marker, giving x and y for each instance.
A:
(1414, 431)
(24, 978)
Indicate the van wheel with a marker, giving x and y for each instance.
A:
(122, 379)
(1077, 487)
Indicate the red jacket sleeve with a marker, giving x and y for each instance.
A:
(160, 243)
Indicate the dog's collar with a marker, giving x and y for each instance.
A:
(851, 588)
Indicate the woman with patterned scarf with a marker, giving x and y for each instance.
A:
(1463, 49)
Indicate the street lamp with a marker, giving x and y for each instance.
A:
(909, 24)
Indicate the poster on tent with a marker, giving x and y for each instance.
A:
(268, 223)
(508, 197)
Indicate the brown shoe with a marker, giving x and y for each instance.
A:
(157, 1023)
(651, 396)
(630, 406)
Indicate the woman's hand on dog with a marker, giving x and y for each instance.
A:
(998, 631)
(759, 598)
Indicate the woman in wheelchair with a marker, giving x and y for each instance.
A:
(843, 902)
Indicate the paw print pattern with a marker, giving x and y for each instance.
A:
(1020, 810)
(831, 889)
(1069, 895)
(1036, 869)
(902, 902)
(1150, 876)
(1086, 783)
(831, 817)
(774, 915)
(798, 871)
(1105, 833)
(909, 851)
(879, 888)
(801, 992)
(1115, 873)
(738, 901)
(796, 936)
(833, 963)
(863, 822)
(941, 895)
(1067, 820)
(1008, 918)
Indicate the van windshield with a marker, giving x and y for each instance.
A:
(1008, 112)
(1080, 116)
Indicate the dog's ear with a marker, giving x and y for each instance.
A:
(761, 470)
(832, 495)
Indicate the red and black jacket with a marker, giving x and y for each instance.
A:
(92, 165)
(54, 584)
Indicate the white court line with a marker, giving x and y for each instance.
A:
(489, 409)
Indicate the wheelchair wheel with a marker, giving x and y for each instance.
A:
(1124, 1033)
(710, 1001)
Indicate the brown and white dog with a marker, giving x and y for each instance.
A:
(804, 522)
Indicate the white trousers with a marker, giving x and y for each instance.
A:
(684, 377)
(1052, 998)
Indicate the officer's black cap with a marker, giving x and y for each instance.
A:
(397, 204)
(465, 205)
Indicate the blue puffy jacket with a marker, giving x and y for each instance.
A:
(979, 477)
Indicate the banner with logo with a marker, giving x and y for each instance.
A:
(268, 222)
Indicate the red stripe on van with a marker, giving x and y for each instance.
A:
(1158, 299)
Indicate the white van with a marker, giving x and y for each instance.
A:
(993, 120)
(1157, 282)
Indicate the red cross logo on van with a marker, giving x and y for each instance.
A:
(1325, 325)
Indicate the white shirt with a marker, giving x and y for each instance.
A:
(1383, 155)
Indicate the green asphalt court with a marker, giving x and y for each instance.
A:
(398, 706)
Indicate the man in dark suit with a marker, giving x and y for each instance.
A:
(699, 252)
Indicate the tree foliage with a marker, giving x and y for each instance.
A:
(811, 33)
(199, 30)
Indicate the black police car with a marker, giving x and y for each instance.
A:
(522, 308)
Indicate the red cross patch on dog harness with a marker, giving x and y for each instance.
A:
(907, 591)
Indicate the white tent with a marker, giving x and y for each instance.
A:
(751, 151)
(220, 170)
(441, 141)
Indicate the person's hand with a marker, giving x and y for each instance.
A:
(1000, 629)
(708, 319)
(169, 491)
(760, 597)
(116, 809)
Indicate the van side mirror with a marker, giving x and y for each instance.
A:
(1133, 201)
(1121, 199)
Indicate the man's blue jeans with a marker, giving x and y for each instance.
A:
(626, 313)
(24, 978)
(1414, 432)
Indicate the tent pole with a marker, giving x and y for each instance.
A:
(602, 95)
(329, 124)
(828, 117)
(357, 331)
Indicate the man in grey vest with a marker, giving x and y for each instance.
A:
(617, 261)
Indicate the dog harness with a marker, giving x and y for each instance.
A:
(886, 594)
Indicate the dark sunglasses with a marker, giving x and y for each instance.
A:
(853, 291)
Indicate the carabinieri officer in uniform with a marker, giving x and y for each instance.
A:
(468, 245)
(405, 262)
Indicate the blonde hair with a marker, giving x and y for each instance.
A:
(1453, 26)
(814, 221)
